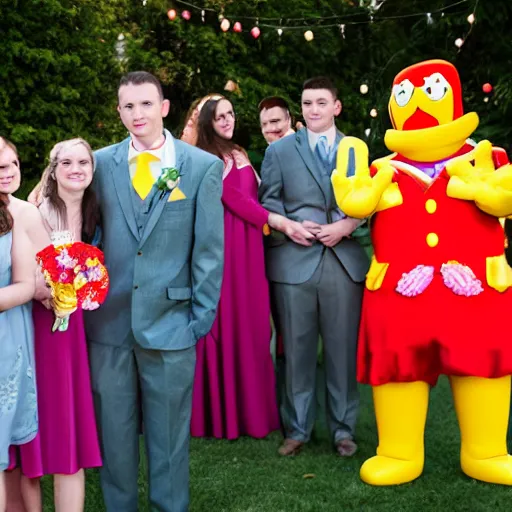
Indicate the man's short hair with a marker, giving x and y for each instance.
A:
(321, 82)
(274, 101)
(141, 77)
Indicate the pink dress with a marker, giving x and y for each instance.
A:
(67, 440)
(234, 388)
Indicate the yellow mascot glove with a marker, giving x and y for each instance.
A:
(359, 195)
(490, 189)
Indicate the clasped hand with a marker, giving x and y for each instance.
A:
(331, 234)
(473, 177)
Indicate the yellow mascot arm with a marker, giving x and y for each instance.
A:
(490, 189)
(359, 195)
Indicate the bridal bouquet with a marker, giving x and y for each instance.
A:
(76, 275)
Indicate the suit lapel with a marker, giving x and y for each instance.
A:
(158, 208)
(122, 185)
(302, 144)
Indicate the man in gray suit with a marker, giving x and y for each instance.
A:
(316, 280)
(163, 244)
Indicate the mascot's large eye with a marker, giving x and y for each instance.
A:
(403, 92)
(436, 86)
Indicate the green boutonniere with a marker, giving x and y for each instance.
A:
(168, 179)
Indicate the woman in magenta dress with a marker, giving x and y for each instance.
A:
(67, 441)
(234, 388)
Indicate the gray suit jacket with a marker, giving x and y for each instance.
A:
(165, 283)
(293, 185)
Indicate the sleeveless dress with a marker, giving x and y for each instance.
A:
(18, 402)
(67, 440)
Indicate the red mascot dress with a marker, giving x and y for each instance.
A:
(436, 299)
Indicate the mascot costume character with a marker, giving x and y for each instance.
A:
(437, 299)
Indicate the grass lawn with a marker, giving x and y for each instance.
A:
(247, 475)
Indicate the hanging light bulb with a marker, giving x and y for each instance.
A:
(255, 32)
(279, 32)
(486, 99)
(203, 14)
(459, 42)
(186, 15)
(224, 25)
(171, 14)
(309, 36)
(237, 27)
(367, 132)
(471, 19)
(430, 20)
(342, 30)
(373, 112)
(363, 89)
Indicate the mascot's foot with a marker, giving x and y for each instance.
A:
(496, 470)
(381, 470)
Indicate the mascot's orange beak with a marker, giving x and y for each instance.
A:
(426, 111)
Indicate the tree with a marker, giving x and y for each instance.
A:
(58, 76)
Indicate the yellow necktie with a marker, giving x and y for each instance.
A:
(143, 178)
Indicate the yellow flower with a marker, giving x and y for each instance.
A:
(64, 299)
(92, 262)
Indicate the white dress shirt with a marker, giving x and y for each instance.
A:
(166, 155)
(330, 134)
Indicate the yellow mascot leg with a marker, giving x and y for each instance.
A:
(482, 407)
(401, 412)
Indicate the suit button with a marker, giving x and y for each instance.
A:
(432, 239)
(136, 287)
(430, 206)
(139, 253)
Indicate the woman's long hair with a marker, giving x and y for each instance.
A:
(207, 138)
(189, 133)
(6, 220)
(90, 209)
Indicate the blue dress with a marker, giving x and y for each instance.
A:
(18, 404)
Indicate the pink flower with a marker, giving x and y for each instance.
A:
(89, 304)
(65, 260)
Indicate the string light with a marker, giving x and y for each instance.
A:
(237, 27)
(367, 132)
(373, 112)
(309, 36)
(459, 42)
(430, 20)
(363, 89)
(255, 32)
(279, 32)
(202, 15)
(342, 30)
(171, 14)
(337, 19)
(186, 15)
(471, 19)
(224, 25)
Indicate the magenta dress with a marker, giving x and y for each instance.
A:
(67, 440)
(234, 388)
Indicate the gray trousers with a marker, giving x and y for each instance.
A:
(329, 303)
(162, 381)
